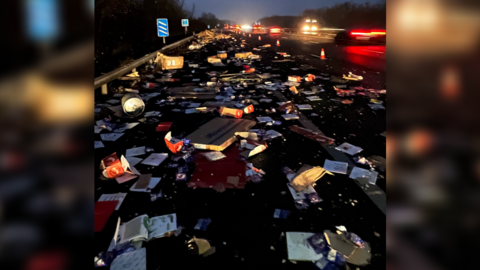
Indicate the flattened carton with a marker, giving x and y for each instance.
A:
(169, 62)
(219, 133)
(214, 59)
(243, 55)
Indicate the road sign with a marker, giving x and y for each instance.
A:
(43, 19)
(185, 23)
(162, 27)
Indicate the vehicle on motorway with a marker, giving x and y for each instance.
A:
(309, 27)
(275, 30)
(258, 29)
(362, 35)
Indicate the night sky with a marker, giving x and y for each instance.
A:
(248, 11)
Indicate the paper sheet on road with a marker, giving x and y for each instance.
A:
(133, 160)
(110, 137)
(336, 166)
(99, 144)
(133, 260)
(135, 151)
(113, 197)
(155, 159)
(364, 176)
(349, 149)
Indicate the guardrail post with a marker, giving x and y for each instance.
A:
(104, 89)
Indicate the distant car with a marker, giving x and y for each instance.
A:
(275, 30)
(309, 27)
(363, 35)
(257, 29)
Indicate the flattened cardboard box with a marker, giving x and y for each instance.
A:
(219, 133)
(243, 55)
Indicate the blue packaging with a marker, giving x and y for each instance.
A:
(355, 239)
(183, 169)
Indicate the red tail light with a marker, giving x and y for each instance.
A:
(368, 33)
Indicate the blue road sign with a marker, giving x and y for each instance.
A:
(42, 19)
(162, 27)
(185, 23)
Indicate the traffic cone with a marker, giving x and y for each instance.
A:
(259, 38)
(322, 55)
(278, 42)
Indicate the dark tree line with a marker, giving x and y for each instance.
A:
(345, 15)
(126, 29)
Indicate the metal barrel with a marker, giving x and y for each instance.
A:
(133, 104)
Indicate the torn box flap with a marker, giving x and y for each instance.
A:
(172, 143)
(247, 135)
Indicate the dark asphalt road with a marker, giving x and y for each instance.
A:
(243, 230)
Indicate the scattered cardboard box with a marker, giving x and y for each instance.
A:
(219, 133)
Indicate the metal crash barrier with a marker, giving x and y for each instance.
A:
(113, 75)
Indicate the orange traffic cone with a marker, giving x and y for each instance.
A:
(278, 42)
(322, 56)
(259, 38)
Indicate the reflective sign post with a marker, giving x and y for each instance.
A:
(162, 28)
(185, 24)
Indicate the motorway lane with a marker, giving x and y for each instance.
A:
(355, 123)
(243, 229)
(340, 57)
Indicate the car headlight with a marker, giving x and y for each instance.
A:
(306, 28)
(314, 28)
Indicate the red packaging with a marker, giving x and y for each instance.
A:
(112, 166)
(164, 126)
(173, 144)
(249, 109)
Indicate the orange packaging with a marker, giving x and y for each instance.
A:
(231, 112)
(294, 78)
(294, 89)
(112, 166)
(310, 78)
(173, 144)
(249, 109)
